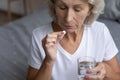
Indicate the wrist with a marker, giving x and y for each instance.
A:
(108, 69)
(49, 61)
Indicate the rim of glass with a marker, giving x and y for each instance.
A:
(87, 58)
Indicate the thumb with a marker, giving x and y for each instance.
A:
(61, 35)
(97, 68)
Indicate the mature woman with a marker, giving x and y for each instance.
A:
(54, 53)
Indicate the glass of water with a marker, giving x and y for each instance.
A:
(85, 63)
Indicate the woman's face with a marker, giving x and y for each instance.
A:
(71, 14)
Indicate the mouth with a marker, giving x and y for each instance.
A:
(68, 26)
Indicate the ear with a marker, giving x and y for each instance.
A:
(90, 10)
(88, 17)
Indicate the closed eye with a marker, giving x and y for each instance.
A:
(77, 10)
(63, 8)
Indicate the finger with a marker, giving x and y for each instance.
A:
(100, 70)
(95, 69)
(90, 77)
(51, 40)
(94, 77)
(49, 45)
(59, 35)
(53, 37)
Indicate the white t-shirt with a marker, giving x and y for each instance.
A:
(96, 42)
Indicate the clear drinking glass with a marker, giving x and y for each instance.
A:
(85, 63)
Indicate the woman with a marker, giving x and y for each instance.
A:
(54, 53)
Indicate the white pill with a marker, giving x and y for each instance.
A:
(64, 32)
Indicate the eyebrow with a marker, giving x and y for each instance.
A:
(61, 2)
(65, 3)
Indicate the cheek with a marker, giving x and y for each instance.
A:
(81, 18)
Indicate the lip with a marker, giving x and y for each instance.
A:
(68, 27)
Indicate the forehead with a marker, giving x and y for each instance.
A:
(73, 1)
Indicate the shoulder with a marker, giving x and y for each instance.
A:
(41, 31)
(98, 23)
(98, 30)
(98, 27)
(42, 28)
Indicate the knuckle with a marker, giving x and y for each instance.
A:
(47, 40)
(48, 35)
(46, 45)
(99, 78)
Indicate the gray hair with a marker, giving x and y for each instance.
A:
(97, 9)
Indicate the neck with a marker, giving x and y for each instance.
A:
(75, 36)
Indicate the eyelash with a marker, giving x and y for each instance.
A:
(77, 10)
(64, 8)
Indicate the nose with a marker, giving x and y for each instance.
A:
(69, 15)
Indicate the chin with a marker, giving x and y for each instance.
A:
(71, 31)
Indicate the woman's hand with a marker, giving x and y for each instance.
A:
(100, 71)
(49, 44)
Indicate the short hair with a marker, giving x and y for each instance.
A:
(97, 9)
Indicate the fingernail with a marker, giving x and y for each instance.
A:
(88, 71)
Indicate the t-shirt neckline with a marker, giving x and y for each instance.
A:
(63, 51)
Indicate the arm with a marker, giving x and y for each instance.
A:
(112, 69)
(44, 73)
(31, 73)
(108, 70)
(49, 44)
